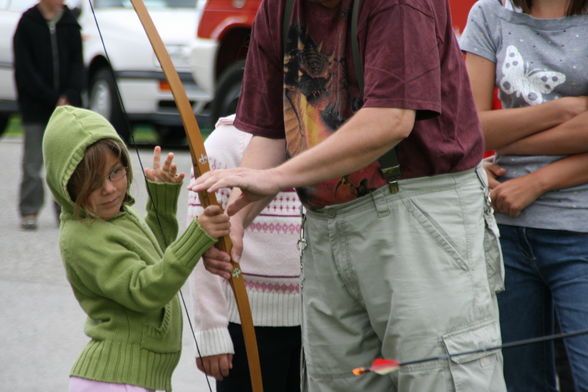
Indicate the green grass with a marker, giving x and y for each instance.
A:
(13, 129)
(144, 134)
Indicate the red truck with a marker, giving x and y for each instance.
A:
(218, 53)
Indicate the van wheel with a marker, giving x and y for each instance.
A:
(104, 100)
(228, 91)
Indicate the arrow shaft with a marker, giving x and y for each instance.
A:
(517, 343)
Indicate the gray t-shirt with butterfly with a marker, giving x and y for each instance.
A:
(537, 60)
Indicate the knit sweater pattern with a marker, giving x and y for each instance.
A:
(126, 271)
(270, 261)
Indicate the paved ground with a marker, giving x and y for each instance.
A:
(40, 321)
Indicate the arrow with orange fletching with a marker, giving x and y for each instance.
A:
(380, 366)
(383, 366)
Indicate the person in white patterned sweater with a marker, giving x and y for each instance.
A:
(271, 267)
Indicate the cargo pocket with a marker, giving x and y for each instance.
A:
(428, 222)
(477, 371)
(493, 253)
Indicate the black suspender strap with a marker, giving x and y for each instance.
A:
(389, 164)
(286, 23)
(357, 60)
(390, 168)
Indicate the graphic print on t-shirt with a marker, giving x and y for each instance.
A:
(529, 84)
(317, 101)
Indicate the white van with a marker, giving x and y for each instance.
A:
(126, 57)
(130, 59)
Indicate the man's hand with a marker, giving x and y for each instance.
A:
(254, 184)
(218, 262)
(217, 366)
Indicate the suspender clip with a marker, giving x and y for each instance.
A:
(391, 174)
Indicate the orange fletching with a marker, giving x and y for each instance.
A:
(359, 371)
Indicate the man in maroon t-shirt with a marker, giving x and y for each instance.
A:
(400, 272)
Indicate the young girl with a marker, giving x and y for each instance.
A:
(124, 271)
(270, 265)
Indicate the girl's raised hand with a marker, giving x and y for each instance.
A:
(165, 173)
(215, 221)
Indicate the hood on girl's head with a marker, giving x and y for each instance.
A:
(69, 132)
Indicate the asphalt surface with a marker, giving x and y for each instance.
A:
(41, 324)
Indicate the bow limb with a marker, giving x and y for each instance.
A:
(200, 164)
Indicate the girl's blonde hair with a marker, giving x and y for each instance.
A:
(89, 174)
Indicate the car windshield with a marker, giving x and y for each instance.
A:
(151, 4)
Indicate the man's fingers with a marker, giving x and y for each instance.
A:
(203, 182)
(218, 262)
(216, 254)
(224, 271)
(237, 249)
(237, 204)
(214, 180)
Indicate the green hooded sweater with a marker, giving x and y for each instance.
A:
(125, 271)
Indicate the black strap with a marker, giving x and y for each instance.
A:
(357, 60)
(286, 23)
(389, 164)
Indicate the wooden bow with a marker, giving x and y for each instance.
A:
(200, 164)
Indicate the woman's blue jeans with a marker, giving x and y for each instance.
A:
(546, 274)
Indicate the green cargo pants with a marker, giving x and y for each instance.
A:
(403, 276)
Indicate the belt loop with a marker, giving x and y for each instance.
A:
(380, 202)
